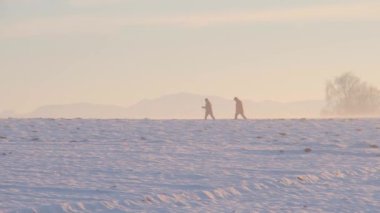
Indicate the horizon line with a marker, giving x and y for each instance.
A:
(153, 99)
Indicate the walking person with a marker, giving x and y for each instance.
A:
(239, 108)
(208, 109)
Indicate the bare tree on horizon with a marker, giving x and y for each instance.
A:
(348, 95)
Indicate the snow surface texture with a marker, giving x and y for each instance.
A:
(80, 165)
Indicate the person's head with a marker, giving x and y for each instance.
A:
(235, 99)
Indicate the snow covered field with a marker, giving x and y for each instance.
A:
(80, 165)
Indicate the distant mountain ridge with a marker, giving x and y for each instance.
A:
(180, 106)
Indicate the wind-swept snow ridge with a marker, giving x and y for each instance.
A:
(189, 166)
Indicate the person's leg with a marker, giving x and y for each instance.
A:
(212, 116)
(242, 114)
(206, 115)
(236, 115)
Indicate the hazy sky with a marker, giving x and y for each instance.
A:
(121, 51)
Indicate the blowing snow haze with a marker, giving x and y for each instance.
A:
(179, 106)
(143, 147)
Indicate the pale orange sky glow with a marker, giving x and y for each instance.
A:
(119, 52)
